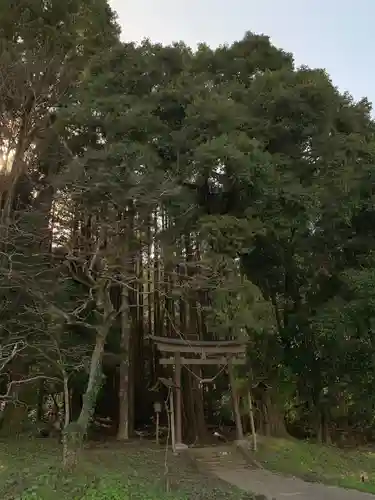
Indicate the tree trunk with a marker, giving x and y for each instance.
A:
(325, 435)
(274, 416)
(199, 409)
(76, 402)
(277, 422)
(158, 326)
(123, 427)
(139, 364)
(190, 421)
(94, 382)
(75, 432)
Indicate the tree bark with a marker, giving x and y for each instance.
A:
(123, 428)
(75, 432)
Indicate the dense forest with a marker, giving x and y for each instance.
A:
(150, 190)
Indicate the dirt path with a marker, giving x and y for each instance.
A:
(274, 486)
(229, 466)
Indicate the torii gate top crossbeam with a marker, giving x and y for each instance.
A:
(221, 347)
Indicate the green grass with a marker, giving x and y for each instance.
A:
(31, 469)
(313, 462)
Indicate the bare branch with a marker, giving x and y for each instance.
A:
(6, 358)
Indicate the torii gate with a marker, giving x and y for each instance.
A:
(199, 352)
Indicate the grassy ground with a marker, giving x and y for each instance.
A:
(30, 469)
(314, 462)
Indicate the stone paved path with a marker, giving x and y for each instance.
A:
(228, 465)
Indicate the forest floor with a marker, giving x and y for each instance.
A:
(31, 469)
(317, 463)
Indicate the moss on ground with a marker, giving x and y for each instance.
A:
(31, 469)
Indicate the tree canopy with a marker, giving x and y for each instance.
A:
(200, 194)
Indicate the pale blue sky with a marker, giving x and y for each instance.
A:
(338, 35)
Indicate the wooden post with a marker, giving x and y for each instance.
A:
(178, 398)
(157, 427)
(157, 409)
(172, 421)
(252, 424)
(236, 408)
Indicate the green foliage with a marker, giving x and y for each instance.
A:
(215, 192)
(238, 308)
